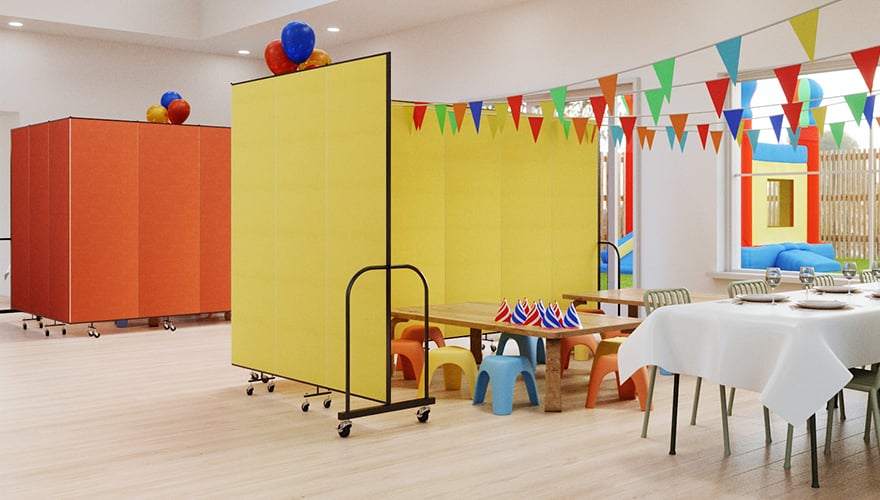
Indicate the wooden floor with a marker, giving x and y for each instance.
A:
(144, 412)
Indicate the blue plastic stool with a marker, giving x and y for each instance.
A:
(531, 348)
(503, 370)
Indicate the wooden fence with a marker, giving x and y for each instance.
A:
(845, 198)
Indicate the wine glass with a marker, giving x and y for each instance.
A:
(773, 276)
(807, 275)
(849, 272)
(875, 271)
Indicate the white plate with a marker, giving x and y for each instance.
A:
(837, 289)
(762, 297)
(821, 304)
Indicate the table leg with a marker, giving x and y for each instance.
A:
(814, 459)
(675, 378)
(552, 375)
(633, 311)
(477, 344)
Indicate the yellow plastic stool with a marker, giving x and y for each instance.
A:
(456, 361)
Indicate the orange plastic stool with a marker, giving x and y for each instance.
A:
(411, 354)
(416, 332)
(605, 362)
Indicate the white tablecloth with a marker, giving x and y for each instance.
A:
(796, 359)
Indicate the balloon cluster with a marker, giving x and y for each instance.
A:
(295, 50)
(173, 109)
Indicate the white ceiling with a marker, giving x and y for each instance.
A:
(225, 26)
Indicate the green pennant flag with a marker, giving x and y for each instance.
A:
(452, 124)
(837, 132)
(655, 102)
(440, 111)
(856, 104)
(664, 70)
(558, 96)
(566, 126)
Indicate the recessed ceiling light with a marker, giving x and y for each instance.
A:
(244, 52)
(333, 29)
(16, 24)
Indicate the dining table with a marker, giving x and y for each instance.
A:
(794, 352)
(479, 317)
(633, 298)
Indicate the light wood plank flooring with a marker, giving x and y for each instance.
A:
(144, 413)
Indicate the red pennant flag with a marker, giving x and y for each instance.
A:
(419, 114)
(678, 123)
(716, 138)
(643, 133)
(628, 123)
(459, 108)
(866, 61)
(535, 124)
(703, 129)
(580, 126)
(792, 111)
(598, 103)
(650, 136)
(515, 103)
(788, 79)
(608, 84)
(718, 92)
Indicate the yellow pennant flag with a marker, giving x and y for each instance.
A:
(501, 112)
(819, 116)
(547, 109)
(805, 27)
(493, 124)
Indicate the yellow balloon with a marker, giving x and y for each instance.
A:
(157, 114)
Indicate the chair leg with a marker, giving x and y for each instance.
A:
(697, 401)
(830, 406)
(841, 405)
(724, 430)
(730, 402)
(767, 437)
(788, 438)
(875, 413)
(650, 401)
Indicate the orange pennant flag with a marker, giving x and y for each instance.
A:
(459, 109)
(716, 138)
(515, 103)
(643, 133)
(598, 103)
(650, 136)
(703, 129)
(608, 84)
(580, 126)
(788, 79)
(792, 111)
(628, 123)
(878, 120)
(535, 124)
(419, 114)
(678, 123)
(592, 128)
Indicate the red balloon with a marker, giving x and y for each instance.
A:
(178, 111)
(277, 60)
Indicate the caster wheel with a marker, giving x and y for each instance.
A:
(254, 376)
(97, 334)
(64, 331)
(47, 332)
(327, 403)
(41, 324)
(24, 326)
(344, 428)
(423, 414)
(172, 328)
(271, 387)
(492, 348)
(249, 391)
(265, 378)
(91, 333)
(305, 406)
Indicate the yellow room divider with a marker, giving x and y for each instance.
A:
(484, 216)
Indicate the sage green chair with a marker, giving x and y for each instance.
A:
(867, 276)
(654, 299)
(865, 380)
(823, 280)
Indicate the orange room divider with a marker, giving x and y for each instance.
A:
(119, 220)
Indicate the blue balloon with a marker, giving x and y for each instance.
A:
(298, 41)
(167, 97)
